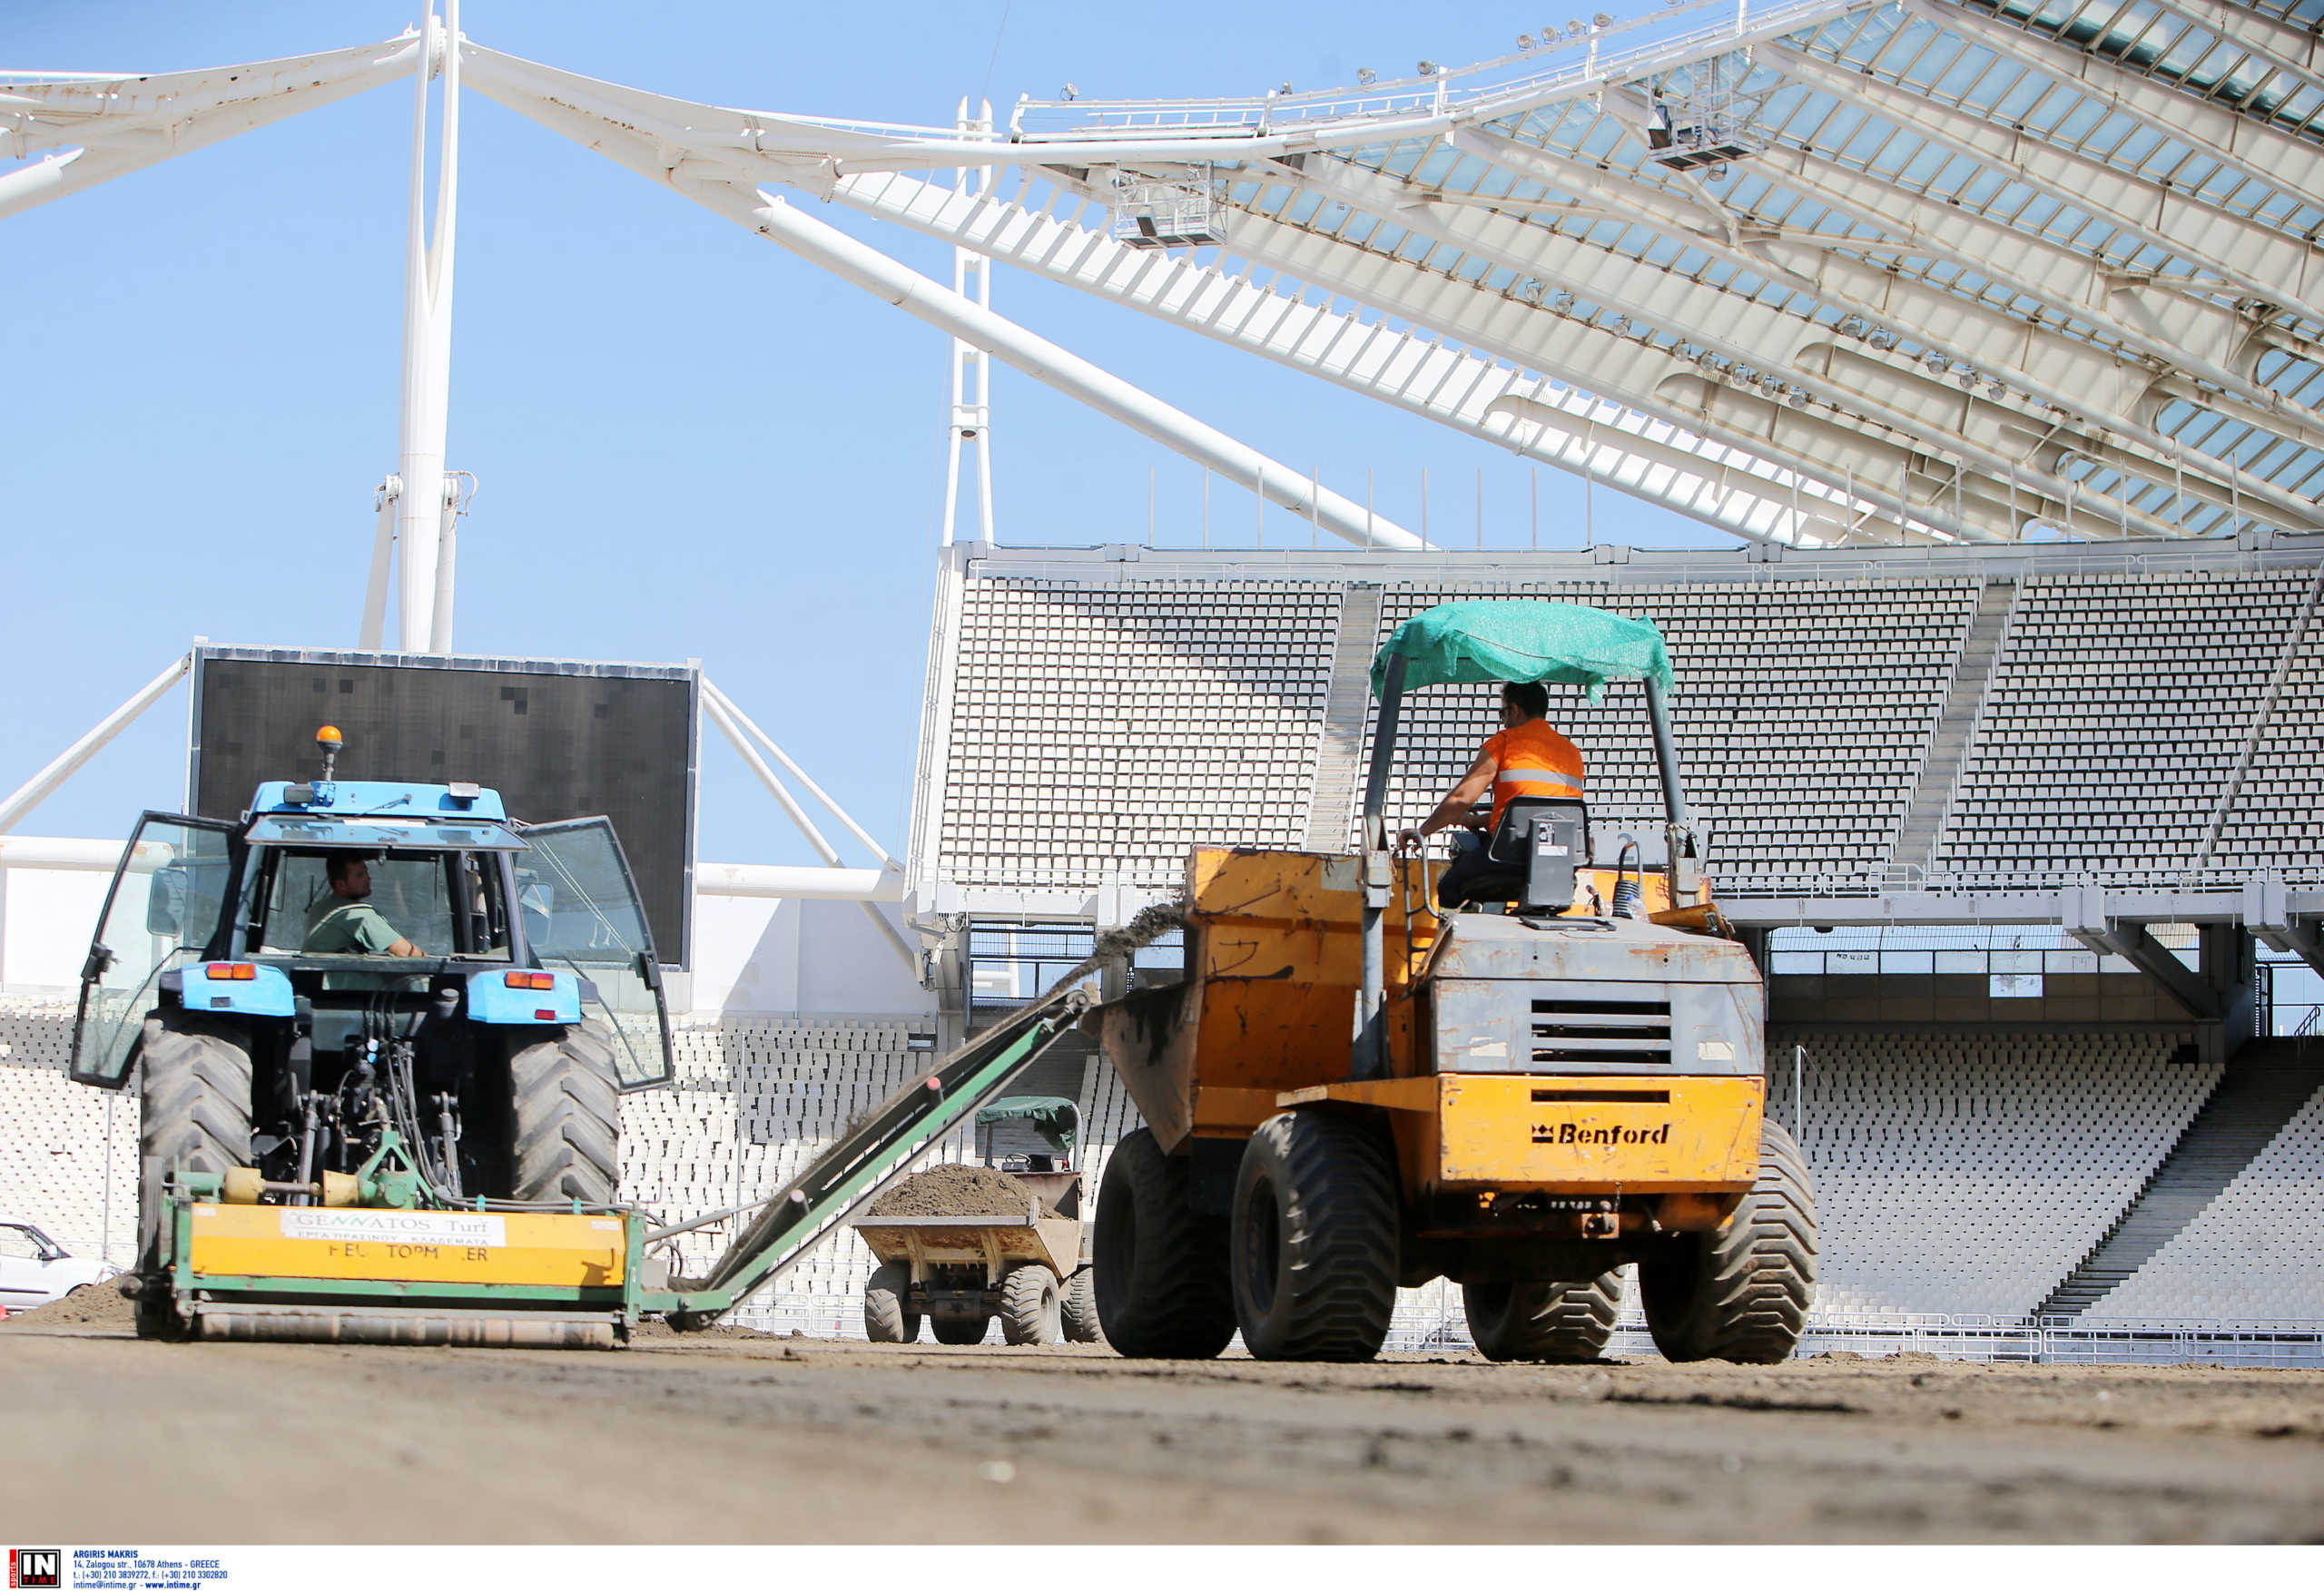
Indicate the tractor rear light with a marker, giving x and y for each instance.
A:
(231, 970)
(530, 981)
(545, 1014)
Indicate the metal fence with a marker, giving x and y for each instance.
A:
(2046, 1341)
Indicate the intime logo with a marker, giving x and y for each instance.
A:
(35, 1568)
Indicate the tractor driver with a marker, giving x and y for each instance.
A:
(344, 923)
(1527, 758)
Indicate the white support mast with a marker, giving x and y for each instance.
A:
(969, 419)
(417, 503)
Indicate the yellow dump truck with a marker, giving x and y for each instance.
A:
(1350, 1090)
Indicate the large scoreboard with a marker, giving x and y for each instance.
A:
(558, 739)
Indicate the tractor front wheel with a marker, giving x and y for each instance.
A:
(1029, 1305)
(1316, 1236)
(888, 1316)
(1742, 1292)
(1159, 1267)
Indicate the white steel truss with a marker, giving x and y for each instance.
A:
(1950, 270)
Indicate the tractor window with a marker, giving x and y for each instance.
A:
(414, 892)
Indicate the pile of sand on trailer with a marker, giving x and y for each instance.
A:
(957, 1192)
(90, 1305)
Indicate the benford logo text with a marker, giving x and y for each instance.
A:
(1575, 1134)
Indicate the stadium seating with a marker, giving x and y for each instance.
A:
(1103, 728)
(2277, 820)
(1967, 1175)
(2119, 707)
(2256, 1253)
(54, 1136)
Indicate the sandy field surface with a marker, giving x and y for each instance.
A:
(738, 1438)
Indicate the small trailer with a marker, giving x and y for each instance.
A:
(960, 1271)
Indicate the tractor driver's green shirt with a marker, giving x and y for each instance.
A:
(353, 928)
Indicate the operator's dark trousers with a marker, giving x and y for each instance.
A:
(1472, 875)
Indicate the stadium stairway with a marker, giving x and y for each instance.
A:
(1956, 721)
(2263, 1084)
(1339, 766)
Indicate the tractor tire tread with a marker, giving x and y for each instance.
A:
(194, 1110)
(1078, 1310)
(1340, 1229)
(888, 1318)
(1742, 1292)
(1544, 1321)
(1029, 1305)
(566, 1117)
(1173, 1300)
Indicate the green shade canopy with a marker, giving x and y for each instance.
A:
(1562, 643)
(1056, 1119)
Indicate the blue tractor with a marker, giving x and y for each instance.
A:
(370, 994)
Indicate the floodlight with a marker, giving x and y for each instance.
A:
(1285, 87)
(1365, 75)
(1602, 20)
(1428, 69)
(1576, 29)
(1525, 41)
(1071, 91)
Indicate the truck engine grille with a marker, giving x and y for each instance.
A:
(1592, 1030)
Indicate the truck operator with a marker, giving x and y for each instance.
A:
(1526, 758)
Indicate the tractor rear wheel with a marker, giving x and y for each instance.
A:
(1029, 1305)
(565, 1133)
(888, 1316)
(1543, 1322)
(960, 1330)
(1316, 1236)
(1159, 1271)
(1078, 1309)
(1742, 1292)
(195, 1098)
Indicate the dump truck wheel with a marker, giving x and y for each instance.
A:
(888, 1318)
(1028, 1306)
(195, 1099)
(1316, 1237)
(565, 1135)
(960, 1330)
(1078, 1309)
(1159, 1267)
(1742, 1292)
(1543, 1322)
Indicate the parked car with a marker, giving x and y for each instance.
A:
(35, 1269)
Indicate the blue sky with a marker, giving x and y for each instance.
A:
(690, 444)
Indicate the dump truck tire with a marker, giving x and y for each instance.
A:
(1028, 1306)
(1543, 1322)
(1078, 1309)
(887, 1317)
(1316, 1237)
(1743, 1292)
(565, 1135)
(1159, 1267)
(194, 1101)
(960, 1330)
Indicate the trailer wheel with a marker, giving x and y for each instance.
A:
(1741, 1293)
(1316, 1237)
(1159, 1267)
(1078, 1309)
(1029, 1305)
(960, 1330)
(887, 1317)
(564, 1135)
(1543, 1322)
(194, 1101)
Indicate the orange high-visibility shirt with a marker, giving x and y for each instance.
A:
(1532, 760)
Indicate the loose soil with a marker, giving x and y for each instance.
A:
(955, 1190)
(748, 1437)
(97, 1305)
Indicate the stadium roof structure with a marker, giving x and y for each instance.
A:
(1814, 272)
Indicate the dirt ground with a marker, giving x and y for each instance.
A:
(744, 1438)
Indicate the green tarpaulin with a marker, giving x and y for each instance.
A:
(1559, 643)
(1056, 1119)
